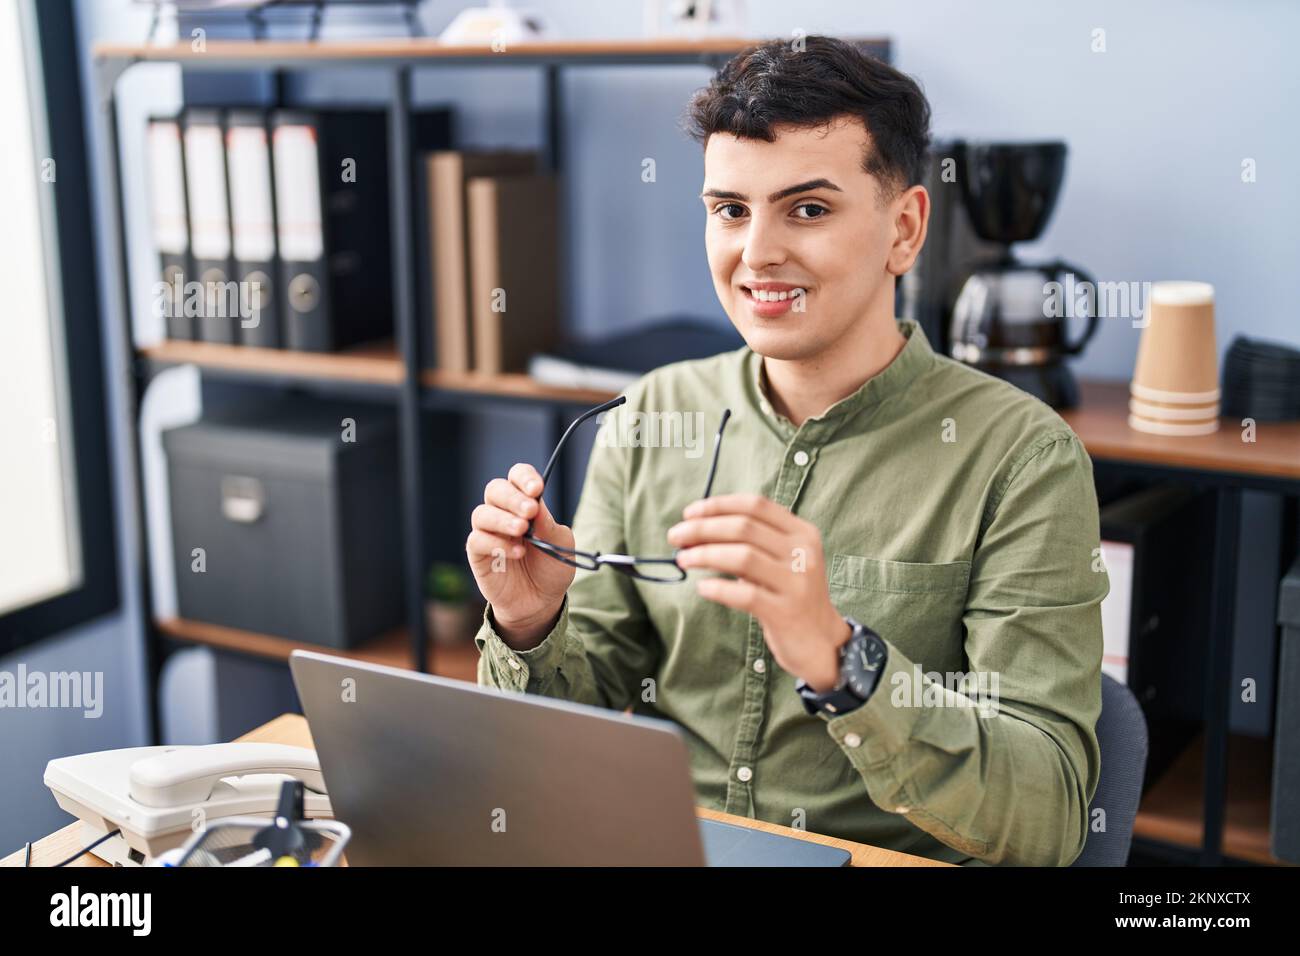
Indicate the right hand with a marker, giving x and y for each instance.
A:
(524, 586)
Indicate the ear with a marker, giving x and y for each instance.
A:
(911, 217)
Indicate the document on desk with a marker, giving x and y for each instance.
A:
(1117, 609)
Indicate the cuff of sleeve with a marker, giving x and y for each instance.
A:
(879, 730)
(512, 669)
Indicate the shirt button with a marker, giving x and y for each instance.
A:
(801, 458)
(744, 775)
(760, 665)
(853, 740)
(513, 663)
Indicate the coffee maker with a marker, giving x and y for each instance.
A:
(1008, 319)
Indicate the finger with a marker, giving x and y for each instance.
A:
(744, 596)
(525, 477)
(741, 560)
(506, 496)
(730, 528)
(498, 521)
(756, 506)
(481, 545)
(545, 524)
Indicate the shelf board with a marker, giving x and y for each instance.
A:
(398, 49)
(459, 661)
(372, 362)
(376, 363)
(511, 385)
(1172, 811)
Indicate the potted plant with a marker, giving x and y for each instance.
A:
(451, 608)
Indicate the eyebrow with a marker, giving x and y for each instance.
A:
(776, 196)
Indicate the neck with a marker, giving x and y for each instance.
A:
(803, 388)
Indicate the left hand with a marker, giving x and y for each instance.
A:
(778, 560)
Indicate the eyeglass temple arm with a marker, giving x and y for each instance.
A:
(559, 446)
(717, 447)
(614, 403)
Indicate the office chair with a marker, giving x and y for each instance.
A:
(1122, 737)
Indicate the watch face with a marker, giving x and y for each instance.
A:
(862, 662)
(862, 684)
(872, 653)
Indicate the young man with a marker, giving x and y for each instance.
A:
(883, 520)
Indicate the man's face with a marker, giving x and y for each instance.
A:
(829, 236)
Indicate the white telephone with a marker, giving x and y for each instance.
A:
(158, 796)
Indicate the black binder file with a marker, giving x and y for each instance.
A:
(169, 223)
(205, 168)
(332, 219)
(252, 227)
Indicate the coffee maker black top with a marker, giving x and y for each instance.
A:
(1010, 189)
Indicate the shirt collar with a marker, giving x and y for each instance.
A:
(913, 359)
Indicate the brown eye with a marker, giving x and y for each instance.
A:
(728, 205)
(822, 210)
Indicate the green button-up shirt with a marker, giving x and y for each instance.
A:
(959, 520)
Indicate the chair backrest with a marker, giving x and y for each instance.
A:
(1122, 737)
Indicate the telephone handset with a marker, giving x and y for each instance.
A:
(187, 775)
(158, 796)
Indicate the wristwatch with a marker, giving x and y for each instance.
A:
(862, 658)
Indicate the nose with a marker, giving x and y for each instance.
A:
(764, 244)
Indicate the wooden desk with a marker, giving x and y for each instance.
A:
(292, 729)
(1101, 422)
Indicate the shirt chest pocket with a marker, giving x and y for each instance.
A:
(915, 606)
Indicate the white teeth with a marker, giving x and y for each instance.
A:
(763, 295)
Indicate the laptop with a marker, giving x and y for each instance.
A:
(429, 771)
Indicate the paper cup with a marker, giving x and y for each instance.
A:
(1175, 387)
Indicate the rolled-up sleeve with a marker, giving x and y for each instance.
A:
(1008, 782)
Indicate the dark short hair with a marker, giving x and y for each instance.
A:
(773, 83)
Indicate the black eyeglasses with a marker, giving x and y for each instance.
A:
(660, 570)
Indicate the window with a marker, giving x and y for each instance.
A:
(57, 565)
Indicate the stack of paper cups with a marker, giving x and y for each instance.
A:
(1175, 388)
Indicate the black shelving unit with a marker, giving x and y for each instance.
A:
(413, 390)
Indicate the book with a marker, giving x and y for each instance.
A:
(446, 247)
(513, 239)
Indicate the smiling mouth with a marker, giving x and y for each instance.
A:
(764, 295)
